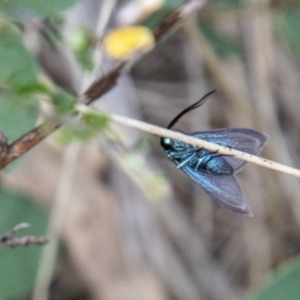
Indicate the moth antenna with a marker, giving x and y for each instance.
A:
(190, 108)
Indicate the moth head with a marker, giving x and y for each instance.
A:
(167, 143)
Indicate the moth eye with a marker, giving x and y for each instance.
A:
(167, 143)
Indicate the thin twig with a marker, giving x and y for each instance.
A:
(176, 17)
(163, 132)
(8, 239)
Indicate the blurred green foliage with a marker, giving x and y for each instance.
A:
(18, 266)
(18, 67)
(71, 132)
(289, 27)
(19, 85)
(95, 120)
(282, 284)
(41, 8)
(222, 43)
(18, 79)
(63, 102)
(17, 115)
(226, 3)
(81, 41)
(91, 124)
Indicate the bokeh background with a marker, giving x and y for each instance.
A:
(129, 225)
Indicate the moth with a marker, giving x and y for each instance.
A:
(214, 172)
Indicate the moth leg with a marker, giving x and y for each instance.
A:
(200, 161)
(186, 160)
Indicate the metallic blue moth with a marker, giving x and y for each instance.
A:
(214, 172)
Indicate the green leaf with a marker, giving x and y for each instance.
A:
(290, 24)
(18, 67)
(18, 266)
(282, 284)
(18, 114)
(43, 8)
(63, 102)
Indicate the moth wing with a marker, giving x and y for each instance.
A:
(243, 139)
(223, 189)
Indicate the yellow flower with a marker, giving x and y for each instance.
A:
(121, 43)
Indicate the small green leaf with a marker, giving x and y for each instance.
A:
(18, 266)
(95, 120)
(35, 87)
(66, 135)
(282, 284)
(81, 42)
(80, 39)
(63, 102)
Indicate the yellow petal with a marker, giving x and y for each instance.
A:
(121, 43)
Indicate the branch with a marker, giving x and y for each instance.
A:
(97, 89)
(163, 132)
(8, 239)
